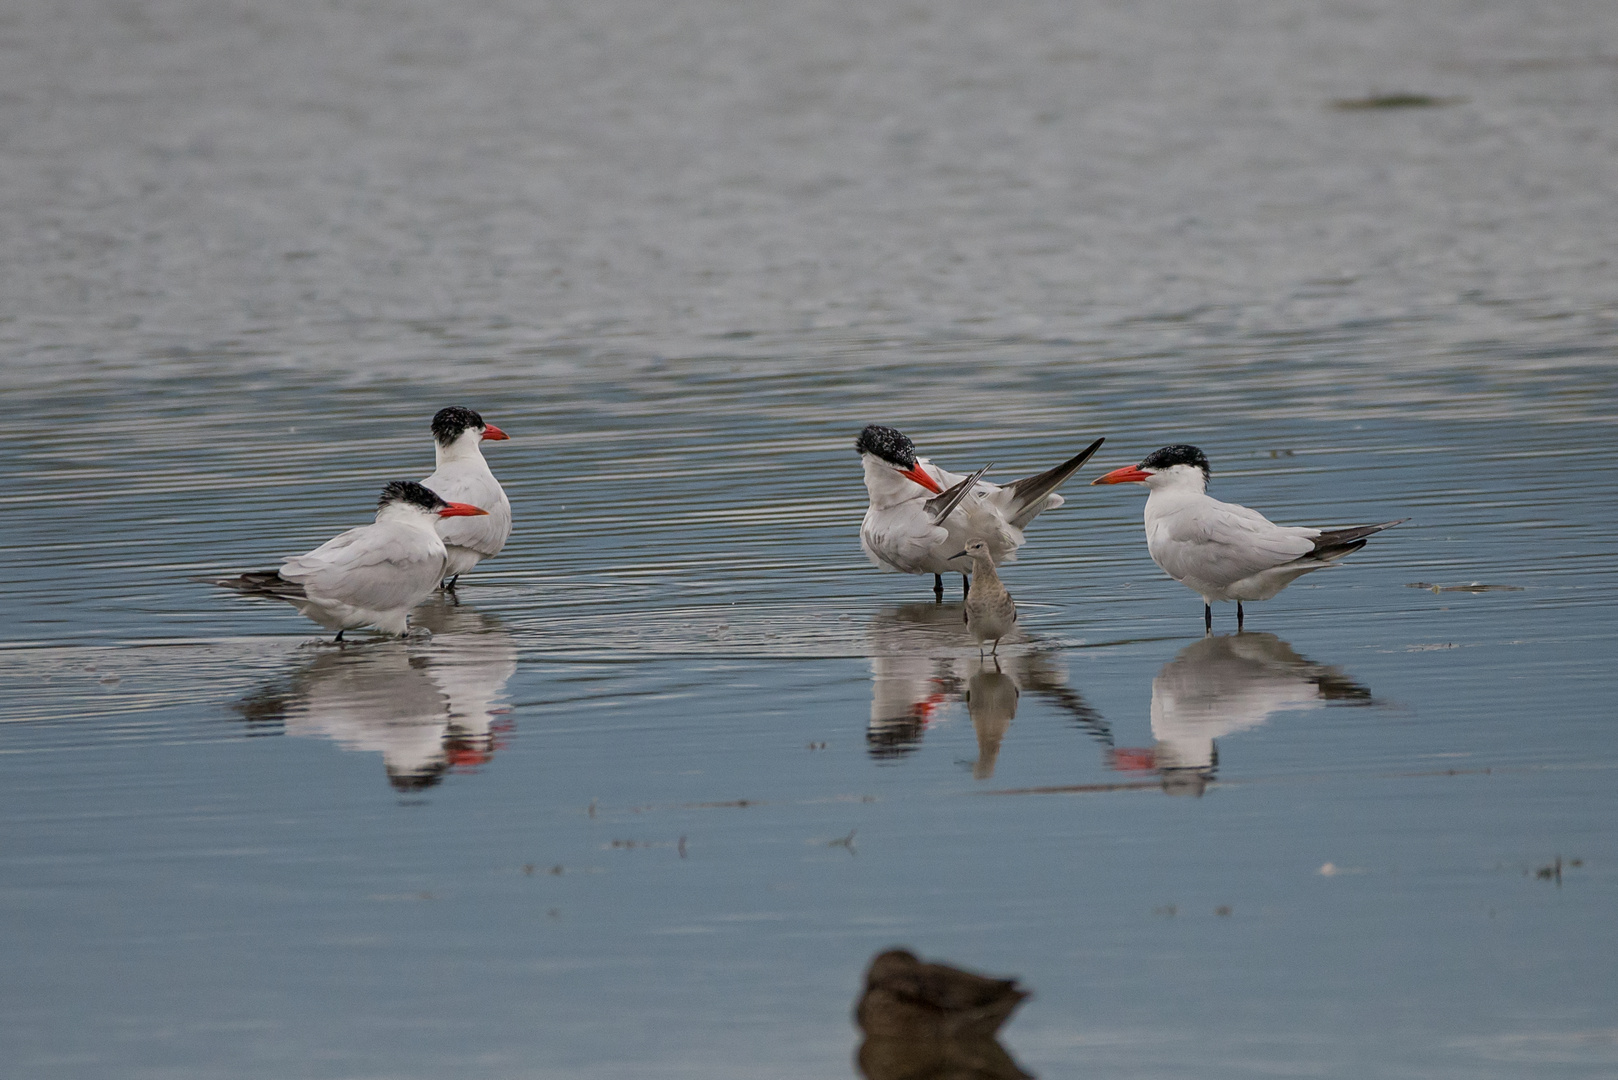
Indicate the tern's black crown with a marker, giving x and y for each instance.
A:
(449, 423)
(1178, 454)
(890, 445)
(408, 491)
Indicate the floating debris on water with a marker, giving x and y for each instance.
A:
(1470, 587)
(1396, 101)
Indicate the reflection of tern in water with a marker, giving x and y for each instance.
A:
(1219, 686)
(425, 708)
(924, 660)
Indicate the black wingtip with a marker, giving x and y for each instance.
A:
(1031, 489)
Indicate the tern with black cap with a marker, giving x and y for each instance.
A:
(372, 575)
(463, 476)
(921, 515)
(1220, 550)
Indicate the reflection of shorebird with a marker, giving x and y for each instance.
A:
(920, 514)
(1223, 684)
(425, 709)
(929, 1021)
(991, 701)
(923, 661)
(462, 475)
(1219, 550)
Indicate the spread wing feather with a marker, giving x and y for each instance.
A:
(1028, 495)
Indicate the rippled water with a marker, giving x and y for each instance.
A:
(679, 762)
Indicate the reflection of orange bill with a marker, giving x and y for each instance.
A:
(1142, 759)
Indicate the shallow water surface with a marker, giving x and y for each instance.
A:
(671, 769)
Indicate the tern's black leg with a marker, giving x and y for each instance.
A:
(938, 588)
(338, 638)
(1238, 616)
(1207, 618)
(966, 586)
(449, 586)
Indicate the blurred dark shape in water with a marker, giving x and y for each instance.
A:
(1222, 684)
(930, 1021)
(1396, 101)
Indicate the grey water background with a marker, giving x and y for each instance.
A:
(695, 760)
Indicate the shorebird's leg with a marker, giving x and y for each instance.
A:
(938, 588)
(1238, 616)
(338, 638)
(1207, 617)
(966, 586)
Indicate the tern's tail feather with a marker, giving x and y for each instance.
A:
(939, 506)
(261, 583)
(1028, 494)
(1335, 543)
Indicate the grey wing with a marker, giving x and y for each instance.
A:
(903, 538)
(939, 506)
(373, 567)
(1226, 543)
(484, 535)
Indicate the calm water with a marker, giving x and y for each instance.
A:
(680, 761)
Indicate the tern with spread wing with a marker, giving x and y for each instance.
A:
(921, 515)
(1219, 550)
(463, 476)
(372, 575)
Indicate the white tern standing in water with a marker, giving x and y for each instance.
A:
(372, 575)
(1219, 550)
(463, 476)
(990, 613)
(920, 513)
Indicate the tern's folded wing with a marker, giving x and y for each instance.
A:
(373, 567)
(485, 535)
(1224, 543)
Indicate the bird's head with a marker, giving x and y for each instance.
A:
(1172, 465)
(452, 423)
(974, 548)
(892, 448)
(411, 495)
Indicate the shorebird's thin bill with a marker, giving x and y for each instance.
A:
(1129, 474)
(915, 473)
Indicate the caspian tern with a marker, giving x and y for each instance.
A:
(462, 475)
(920, 513)
(372, 575)
(1219, 550)
(990, 613)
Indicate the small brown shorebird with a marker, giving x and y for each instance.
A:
(990, 613)
(906, 998)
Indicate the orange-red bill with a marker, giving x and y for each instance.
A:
(915, 473)
(462, 510)
(1129, 474)
(492, 432)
